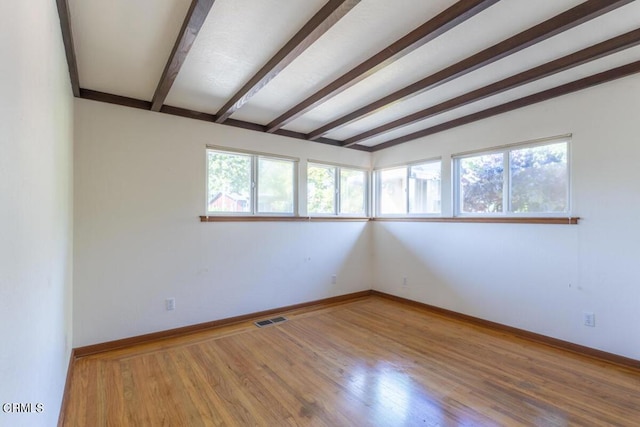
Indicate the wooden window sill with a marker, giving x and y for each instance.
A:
(494, 219)
(264, 218)
(487, 220)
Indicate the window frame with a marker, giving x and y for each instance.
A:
(407, 167)
(506, 150)
(338, 188)
(255, 184)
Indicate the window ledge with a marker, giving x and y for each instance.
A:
(572, 220)
(264, 218)
(505, 220)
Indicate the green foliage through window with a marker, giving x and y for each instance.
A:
(321, 189)
(539, 179)
(229, 182)
(335, 190)
(530, 179)
(249, 183)
(482, 183)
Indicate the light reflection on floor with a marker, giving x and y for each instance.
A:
(392, 394)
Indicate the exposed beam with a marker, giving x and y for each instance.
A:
(191, 114)
(549, 28)
(67, 39)
(321, 22)
(192, 24)
(196, 115)
(454, 15)
(583, 56)
(109, 98)
(587, 82)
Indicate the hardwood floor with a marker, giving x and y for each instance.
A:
(372, 361)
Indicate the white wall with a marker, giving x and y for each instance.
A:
(140, 182)
(36, 125)
(139, 189)
(519, 275)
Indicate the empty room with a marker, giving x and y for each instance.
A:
(320, 212)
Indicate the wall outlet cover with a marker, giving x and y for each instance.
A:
(589, 319)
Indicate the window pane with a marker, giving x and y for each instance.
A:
(539, 179)
(481, 182)
(321, 189)
(392, 191)
(424, 188)
(229, 182)
(275, 185)
(353, 192)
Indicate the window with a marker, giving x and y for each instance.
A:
(333, 190)
(247, 183)
(412, 189)
(321, 189)
(353, 192)
(525, 179)
(276, 185)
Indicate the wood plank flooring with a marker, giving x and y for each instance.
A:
(370, 362)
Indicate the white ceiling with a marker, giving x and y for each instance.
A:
(451, 47)
(233, 44)
(122, 47)
(369, 27)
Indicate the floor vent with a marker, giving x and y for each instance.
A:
(267, 322)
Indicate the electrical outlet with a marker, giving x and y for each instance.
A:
(170, 304)
(334, 279)
(589, 319)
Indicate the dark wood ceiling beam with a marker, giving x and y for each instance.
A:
(454, 15)
(549, 28)
(109, 98)
(196, 115)
(191, 26)
(69, 50)
(587, 82)
(583, 56)
(321, 22)
(140, 104)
